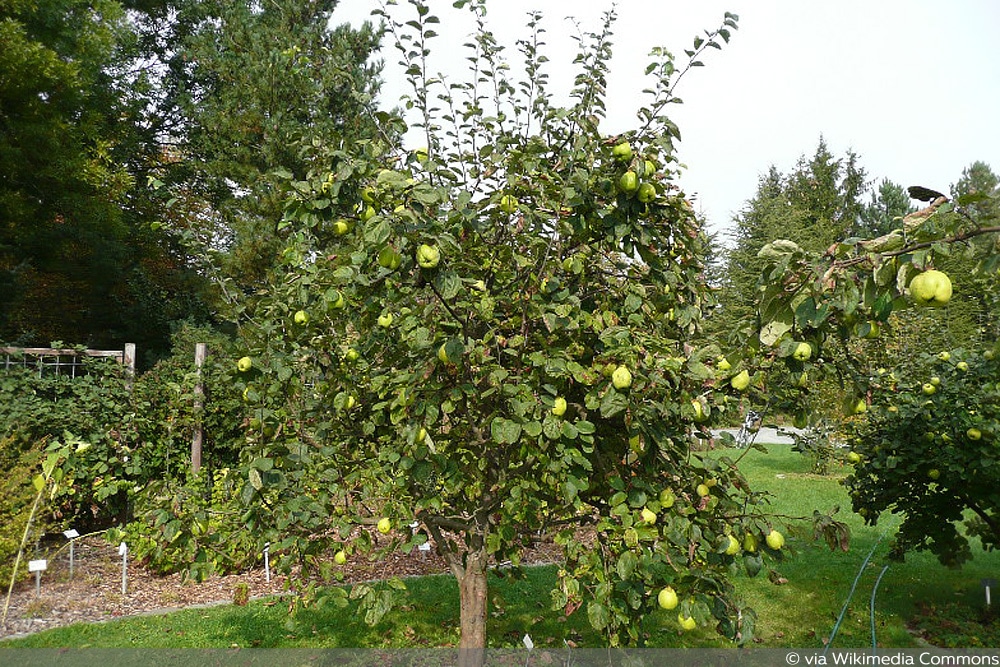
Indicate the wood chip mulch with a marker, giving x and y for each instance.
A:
(94, 594)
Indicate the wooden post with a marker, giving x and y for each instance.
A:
(128, 357)
(200, 350)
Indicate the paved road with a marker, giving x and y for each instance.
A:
(768, 435)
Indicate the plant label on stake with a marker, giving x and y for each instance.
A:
(989, 585)
(123, 552)
(71, 535)
(38, 566)
(267, 562)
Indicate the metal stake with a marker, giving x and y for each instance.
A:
(71, 535)
(123, 550)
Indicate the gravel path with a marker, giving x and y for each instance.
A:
(768, 435)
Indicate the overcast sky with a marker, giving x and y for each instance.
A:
(913, 87)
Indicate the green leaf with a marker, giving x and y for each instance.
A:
(808, 314)
(448, 284)
(598, 615)
(773, 331)
(255, 481)
(613, 403)
(377, 234)
(505, 431)
(626, 565)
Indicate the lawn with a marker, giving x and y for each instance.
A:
(803, 612)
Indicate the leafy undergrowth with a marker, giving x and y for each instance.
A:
(957, 625)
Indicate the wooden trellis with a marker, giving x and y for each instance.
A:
(57, 361)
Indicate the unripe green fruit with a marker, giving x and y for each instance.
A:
(740, 381)
(559, 406)
(389, 258)
(621, 378)
(508, 204)
(646, 193)
(931, 288)
(667, 598)
(622, 152)
(629, 182)
(775, 540)
(244, 364)
(384, 525)
(428, 256)
(802, 352)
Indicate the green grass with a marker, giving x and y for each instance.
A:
(803, 611)
(799, 613)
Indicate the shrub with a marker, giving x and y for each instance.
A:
(20, 463)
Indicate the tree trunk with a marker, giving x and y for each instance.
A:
(474, 600)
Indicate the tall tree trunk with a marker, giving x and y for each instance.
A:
(474, 599)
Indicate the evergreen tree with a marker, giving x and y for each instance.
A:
(887, 204)
(241, 90)
(816, 205)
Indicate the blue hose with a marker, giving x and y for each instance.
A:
(872, 608)
(843, 612)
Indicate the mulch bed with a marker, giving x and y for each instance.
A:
(94, 594)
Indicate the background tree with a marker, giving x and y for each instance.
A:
(887, 204)
(816, 204)
(233, 89)
(79, 260)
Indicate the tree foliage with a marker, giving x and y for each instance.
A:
(925, 422)
(491, 337)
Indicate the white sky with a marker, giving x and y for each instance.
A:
(912, 86)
